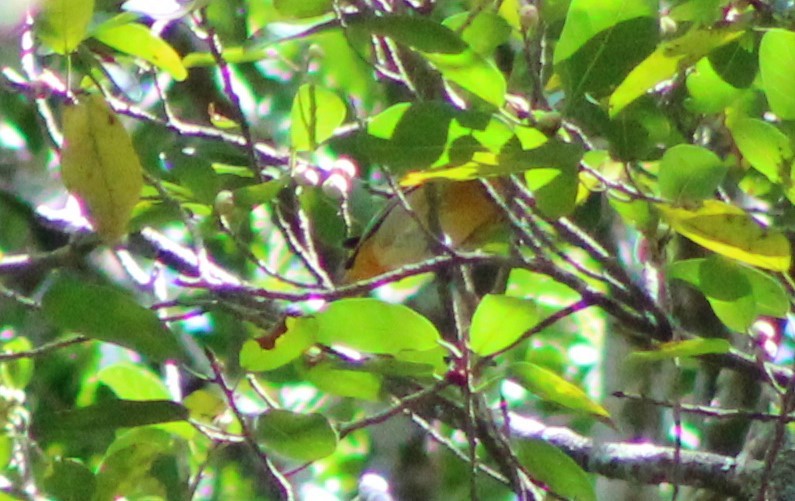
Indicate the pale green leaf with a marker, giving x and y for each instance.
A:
(550, 466)
(549, 386)
(316, 114)
(777, 68)
(766, 148)
(499, 321)
(690, 173)
(279, 347)
(304, 437)
(373, 326)
(62, 24)
(687, 348)
(337, 380)
(133, 382)
(138, 40)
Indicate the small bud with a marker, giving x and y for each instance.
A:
(667, 26)
(528, 17)
(225, 203)
(549, 122)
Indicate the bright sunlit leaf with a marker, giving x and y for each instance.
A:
(280, 346)
(777, 68)
(138, 40)
(499, 321)
(549, 386)
(686, 348)
(729, 231)
(669, 58)
(133, 382)
(373, 326)
(316, 114)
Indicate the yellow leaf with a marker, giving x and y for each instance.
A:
(100, 167)
(729, 231)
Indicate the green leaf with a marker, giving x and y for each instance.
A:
(499, 321)
(738, 294)
(777, 68)
(17, 373)
(335, 379)
(549, 386)
(588, 18)
(549, 465)
(304, 437)
(770, 295)
(316, 114)
(105, 416)
(303, 8)
(729, 231)
(69, 480)
(736, 62)
(601, 42)
(107, 314)
(637, 132)
(556, 162)
(484, 33)
(637, 213)
(133, 382)
(669, 58)
(138, 40)
(766, 148)
(554, 189)
(690, 173)
(723, 280)
(7, 446)
(472, 72)
(410, 136)
(445, 50)
(686, 349)
(419, 33)
(258, 194)
(390, 133)
(279, 347)
(141, 464)
(708, 91)
(205, 404)
(373, 326)
(62, 24)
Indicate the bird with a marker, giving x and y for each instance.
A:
(465, 214)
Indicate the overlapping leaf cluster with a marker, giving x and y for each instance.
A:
(228, 155)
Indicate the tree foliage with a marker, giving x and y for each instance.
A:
(278, 249)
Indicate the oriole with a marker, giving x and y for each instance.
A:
(465, 214)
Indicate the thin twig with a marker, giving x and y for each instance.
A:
(217, 50)
(44, 349)
(275, 478)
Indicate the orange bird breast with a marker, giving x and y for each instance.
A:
(464, 211)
